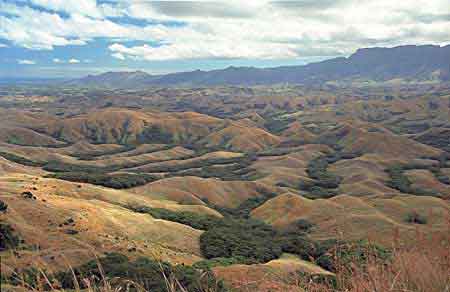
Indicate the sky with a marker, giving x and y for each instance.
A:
(72, 38)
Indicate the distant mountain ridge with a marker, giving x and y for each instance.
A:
(415, 63)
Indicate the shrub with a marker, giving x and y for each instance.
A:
(215, 262)
(416, 218)
(19, 159)
(151, 274)
(399, 181)
(325, 183)
(3, 207)
(298, 245)
(250, 239)
(58, 166)
(299, 226)
(332, 253)
(116, 181)
(8, 240)
(154, 134)
(197, 221)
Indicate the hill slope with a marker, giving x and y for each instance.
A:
(417, 63)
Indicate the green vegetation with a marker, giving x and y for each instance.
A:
(249, 239)
(325, 184)
(206, 265)
(154, 134)
(197, 221)
(399, 181)
(8, 239)
(440, 140)
(94, 155)
(58, 166)
(276, 124)
(243, 161)
(244, 209)
(3, 207)
(416, 218)
(116, 181)
(152, 275)
(21, 160)
(332, 253)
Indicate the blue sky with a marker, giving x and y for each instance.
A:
(71, 38)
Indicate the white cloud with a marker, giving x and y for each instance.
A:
(73, 61)
(82, 7)
(56, 60)
(26, 62)
(233, 29)
(3, 45)
(119, 56)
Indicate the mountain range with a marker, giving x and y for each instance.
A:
(407, 63)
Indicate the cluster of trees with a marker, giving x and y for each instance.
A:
(399, 181)
(58, 166)
(195, 220)
(249, 240)
(95, 154)
(243, 210)
(150, 274)
(243, 161)
(21, 160)
(234, 171)
(416, 218)
(325, 184)
(154, 134)
(3, 207)
(8, 238)
(115, 181)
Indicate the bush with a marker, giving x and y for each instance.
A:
(197, 221)
(298, 245)
(152, 275)
(3, 207)
(332, 253)
(116, 181)
(325, 183)
(299, 226)
(19, 159)
(154, 134)
(245, 208)
(58, 166)
(399, 181)
(8, 240)
(215, 262)
(416, 218)
(249, 239)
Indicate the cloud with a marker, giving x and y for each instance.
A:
(3, 45)
(56, 60)
(73, 61)
(198, 9)
(26, 62)
(233, 29)
(119, 56)
(82, 7)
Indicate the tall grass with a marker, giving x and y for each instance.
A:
(422, 267)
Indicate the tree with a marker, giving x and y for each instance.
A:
(3, 206)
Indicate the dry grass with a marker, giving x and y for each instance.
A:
(424, 267)
(421, 267)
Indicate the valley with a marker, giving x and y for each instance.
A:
(241, 182)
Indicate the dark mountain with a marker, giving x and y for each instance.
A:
(412, 63)
(114, 79)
